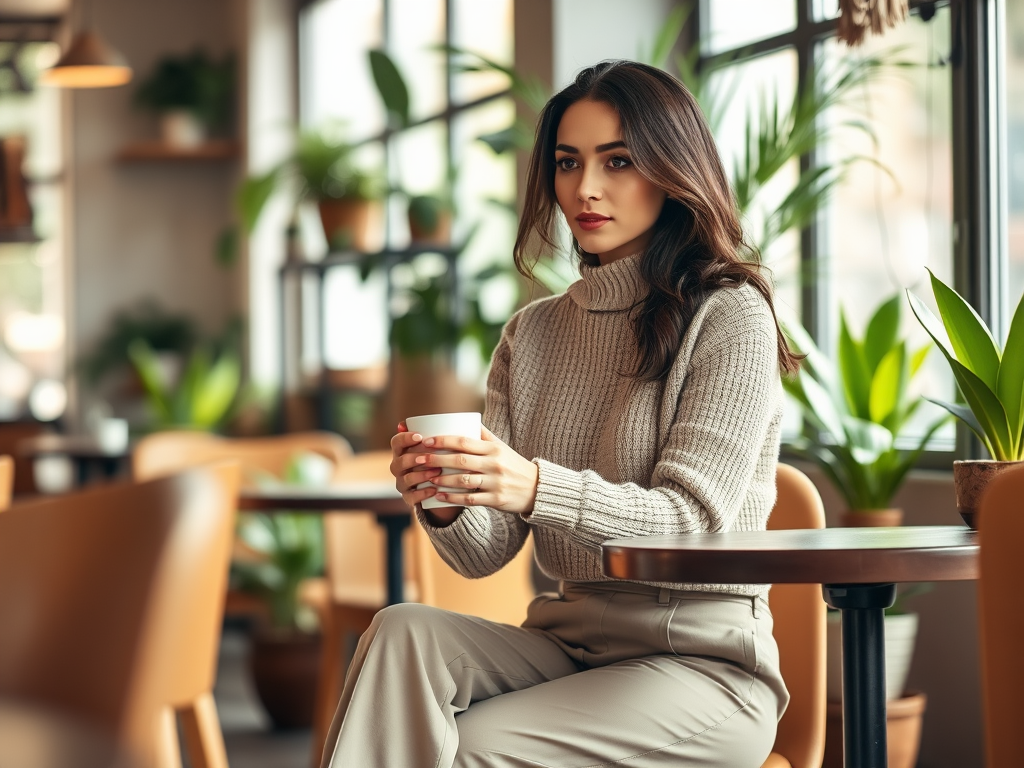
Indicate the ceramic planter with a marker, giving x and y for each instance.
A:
(181, 129)
(903, 718)
(871, 518)
(970, 478)
(351, 224)
(284, 665)
(441, 234)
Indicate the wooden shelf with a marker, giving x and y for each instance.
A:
(157, 151)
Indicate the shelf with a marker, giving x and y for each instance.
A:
(25, 234)
(386, 256)
(157, 151)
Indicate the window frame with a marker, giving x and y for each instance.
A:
(979, 250)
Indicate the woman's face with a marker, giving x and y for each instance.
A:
(609, 206)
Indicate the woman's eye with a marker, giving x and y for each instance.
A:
(617, 162)
(566, 164)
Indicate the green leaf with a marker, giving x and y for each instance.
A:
(853, 369)
(970, 337)
(929, 322)
(226, 252)
(822, 407)
(666, 38)
(883, 328)
(391, 87)
(866, 440)
(1010, 380)
(917, 359)
(216, 391)
(889, 384)
(148, 369)
(987, 408)
(253, 196)
(966, 415)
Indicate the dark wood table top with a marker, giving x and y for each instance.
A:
(76, 446)
(826, 556)
(373, 496)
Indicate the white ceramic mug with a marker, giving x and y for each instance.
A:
(440, 424)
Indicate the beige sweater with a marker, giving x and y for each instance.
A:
(693, 452)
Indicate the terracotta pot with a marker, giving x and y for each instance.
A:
(439, 235)
(871, 518)
(970, 479)
(351, 224)
(902, 726)
(285, 665)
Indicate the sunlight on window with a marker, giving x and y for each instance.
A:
(733, 23)
(1014, 84)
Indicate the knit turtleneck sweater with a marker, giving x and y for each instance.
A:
(617, 457)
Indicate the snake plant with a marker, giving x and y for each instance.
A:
(990, 379)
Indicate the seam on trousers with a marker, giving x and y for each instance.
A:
(447, 690)
(668, 628)
(621, 760)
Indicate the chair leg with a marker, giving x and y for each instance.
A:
(168, 753)
(203, 737)
(340, 623)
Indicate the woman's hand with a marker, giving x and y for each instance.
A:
(407, 474)
(490, 473)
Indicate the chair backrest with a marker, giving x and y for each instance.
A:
(166, 452)
(1001, 531)
(108, 594)
(6, 481)
(11, 434)
(503, 596)
(799, 614)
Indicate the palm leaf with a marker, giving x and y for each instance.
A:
(881, 333)
(970, 337)
(391, 87)
(1010, 379)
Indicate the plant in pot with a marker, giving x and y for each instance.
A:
(321, 169)
(280, 552)
(192, 93)
(991, 381)
(857, 407)
(430, 219)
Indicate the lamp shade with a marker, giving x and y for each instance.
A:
(88, 63)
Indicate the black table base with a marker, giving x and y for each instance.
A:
(394, 527)
(863, 610)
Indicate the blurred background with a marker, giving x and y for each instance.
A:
(268, 216)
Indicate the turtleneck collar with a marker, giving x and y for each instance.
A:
(609, 288)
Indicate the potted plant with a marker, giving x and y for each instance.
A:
(857, 408)
(430, 219)
(281, 551)
(321, 169)
(192, 93)
(991, 381)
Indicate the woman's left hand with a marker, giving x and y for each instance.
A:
(493, 474)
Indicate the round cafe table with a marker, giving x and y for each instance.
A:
(858, 569)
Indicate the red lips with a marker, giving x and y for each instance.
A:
(591, 221)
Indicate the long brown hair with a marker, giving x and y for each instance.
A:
(698, 244)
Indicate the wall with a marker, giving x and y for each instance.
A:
(946, 661)
(147, 229)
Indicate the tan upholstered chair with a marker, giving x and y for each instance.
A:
(1001, 531)
(6, 481)
(501, 597)
(799, 613)
(111, 599)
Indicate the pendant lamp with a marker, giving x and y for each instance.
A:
(88, 63)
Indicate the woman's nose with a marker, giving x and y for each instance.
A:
(590, 186)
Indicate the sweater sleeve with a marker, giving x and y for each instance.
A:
(729, 397)
(482, 540)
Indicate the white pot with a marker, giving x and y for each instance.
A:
(900, 634)
(180, 128)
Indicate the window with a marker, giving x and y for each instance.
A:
(892, 214)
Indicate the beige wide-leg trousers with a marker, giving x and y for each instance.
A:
(607, 674)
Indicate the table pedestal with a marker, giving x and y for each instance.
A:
(394, 527)
(863, 609)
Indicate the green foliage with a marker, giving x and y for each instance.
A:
(990, 379)
(320, 167)
(858, 406)
(286, 548)
(391, 87)
(193, 82)
(160, 330)
(426, 211)
(203, 395)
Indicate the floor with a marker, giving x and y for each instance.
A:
(251, 742)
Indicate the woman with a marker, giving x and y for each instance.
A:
(646, 400)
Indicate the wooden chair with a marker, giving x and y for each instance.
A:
(11, 434)
(111, 599)
(799, 614)
(502, 597)
(1001, 530)
(6, 481)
